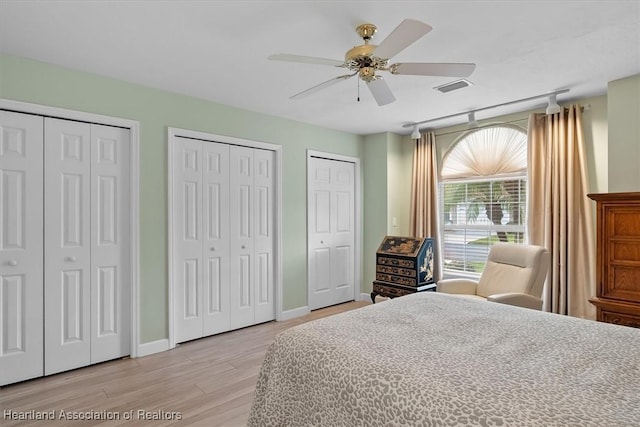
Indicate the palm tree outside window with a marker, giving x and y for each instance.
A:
(483, 196)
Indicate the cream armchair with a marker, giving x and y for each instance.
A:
(514, 274)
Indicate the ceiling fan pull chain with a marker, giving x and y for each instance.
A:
(358, 90)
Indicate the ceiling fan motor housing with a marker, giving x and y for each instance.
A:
(361, 57)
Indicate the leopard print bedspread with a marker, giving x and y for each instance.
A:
(432, 359)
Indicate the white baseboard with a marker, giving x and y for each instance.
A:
(152, 347)
(364, 297)
(296, 312)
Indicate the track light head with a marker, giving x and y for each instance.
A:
(472, 120)
(553, 106)
(416, 133)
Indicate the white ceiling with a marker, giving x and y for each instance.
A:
(217, 50)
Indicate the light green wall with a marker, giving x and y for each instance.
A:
(387, 196)
(374, 204)
(595, 127)
(398, 194)
(34, 82)
(624, 134)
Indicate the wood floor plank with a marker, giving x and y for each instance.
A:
(208, 382)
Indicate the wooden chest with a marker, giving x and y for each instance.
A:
(405, 261)
(617, 297)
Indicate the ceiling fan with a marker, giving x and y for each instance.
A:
(367, 59)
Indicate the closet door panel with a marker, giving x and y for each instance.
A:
(320, 232)
(331, 233)
(263, 219)
(343, 237)
(242, 260)
(67, 241)
(215, 288)
(21, 270)
(188, 238)
(110, 249)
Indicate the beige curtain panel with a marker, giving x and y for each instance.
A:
(424, 216)
(559, 213)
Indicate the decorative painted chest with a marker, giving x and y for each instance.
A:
(404, 265)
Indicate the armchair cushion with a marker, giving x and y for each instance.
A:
(457, 286)
(514, 298)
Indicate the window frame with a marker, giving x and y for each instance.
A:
(490, 228)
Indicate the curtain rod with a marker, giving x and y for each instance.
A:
(557, 92)
(524, 119)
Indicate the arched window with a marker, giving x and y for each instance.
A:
(483, 194)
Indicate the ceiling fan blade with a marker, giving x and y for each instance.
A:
(402, 37)
(321, 86)
(306, 59)
(381, 92)
(433, 69)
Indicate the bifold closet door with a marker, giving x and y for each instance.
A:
(251, 224)
(110, 248)
(21, 255)
(264, 223)
(201, 238)
(215, 253)
(223, 225)
(86, 244)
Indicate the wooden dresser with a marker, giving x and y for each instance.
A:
(618, 258)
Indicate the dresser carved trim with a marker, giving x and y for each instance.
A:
(617, 297)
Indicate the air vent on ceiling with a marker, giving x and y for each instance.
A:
(458, 84)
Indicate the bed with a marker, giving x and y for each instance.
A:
(430, 359)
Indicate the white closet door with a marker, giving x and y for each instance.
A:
(242, 225)
(110, 251)
(21, 271)
(67, 286)
(264, 239)
(223, 226)
(343, 240)
(215, 289)
(188, 238)
(331, 201)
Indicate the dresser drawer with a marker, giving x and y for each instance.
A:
(391, 291)
(619, 318)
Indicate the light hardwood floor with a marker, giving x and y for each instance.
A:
(208, 382)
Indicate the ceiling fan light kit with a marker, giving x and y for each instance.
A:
(366, 60)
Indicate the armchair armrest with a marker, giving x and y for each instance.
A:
(457, 286)
(518, 299)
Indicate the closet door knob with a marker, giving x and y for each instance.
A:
(13, 263)
(212, 249)
(243, 247)
(72, 258)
